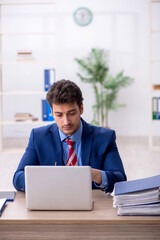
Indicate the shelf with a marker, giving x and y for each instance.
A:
(22, 92)
(156, 87)
(27, 33)
(28, 122)
(26, 3)
(26, 61)
(154, 123)
(47, 61)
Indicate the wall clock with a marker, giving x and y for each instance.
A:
(82, 16)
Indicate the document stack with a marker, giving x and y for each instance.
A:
(19, 117)
(4, 198)
(25, 55)
(2, 204)
(138, 197)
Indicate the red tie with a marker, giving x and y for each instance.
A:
(72, 160)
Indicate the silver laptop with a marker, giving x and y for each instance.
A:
(58, 187)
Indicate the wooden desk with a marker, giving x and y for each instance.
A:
(102, 222)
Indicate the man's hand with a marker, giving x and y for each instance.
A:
(96, 176)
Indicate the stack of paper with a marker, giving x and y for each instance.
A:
(24, 117)
(2, 204)
(25, 55)
(5, 197)
(138, 197)
(140, 210)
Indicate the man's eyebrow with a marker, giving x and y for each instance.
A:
(72, 110)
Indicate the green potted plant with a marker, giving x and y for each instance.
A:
(106, 87)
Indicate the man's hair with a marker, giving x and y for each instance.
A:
(64, 91)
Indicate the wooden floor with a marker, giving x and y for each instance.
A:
(138, 160)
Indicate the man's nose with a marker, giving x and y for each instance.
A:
(66, 119)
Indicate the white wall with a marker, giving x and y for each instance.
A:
(119, 26)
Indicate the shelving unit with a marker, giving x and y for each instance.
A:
(154, 86)
(20, 93)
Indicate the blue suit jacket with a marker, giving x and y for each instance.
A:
(99, 150)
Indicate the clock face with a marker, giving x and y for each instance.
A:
(82, 16)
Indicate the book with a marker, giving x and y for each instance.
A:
(24, 55)
(49, 78)
(24, 117)
(2, 204)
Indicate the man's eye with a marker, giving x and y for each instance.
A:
(72, 113)
(58, 115)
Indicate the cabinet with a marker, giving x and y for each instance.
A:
(26, 28)
(154, 72)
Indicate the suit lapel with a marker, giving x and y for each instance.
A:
(57, 146)
(87, 140)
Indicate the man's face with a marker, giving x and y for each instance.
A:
(67, 117)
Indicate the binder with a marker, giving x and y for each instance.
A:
(44, 110)
(137, 185)
(158, 108)
(46, 80)
(49, 113)
(49, 78)
(154, 108)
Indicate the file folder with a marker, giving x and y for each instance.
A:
(49, 78)
(154, 108)
(158, 108)
(49, 113)
(46, 111)
(137, 185)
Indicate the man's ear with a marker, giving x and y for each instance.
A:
(81, 109)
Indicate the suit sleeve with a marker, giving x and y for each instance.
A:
(29, 158)
(113, 165)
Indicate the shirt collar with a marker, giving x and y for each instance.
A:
(76, 137)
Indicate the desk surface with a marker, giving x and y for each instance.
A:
(102, 213)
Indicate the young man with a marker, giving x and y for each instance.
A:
(72, 141)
